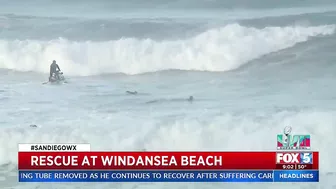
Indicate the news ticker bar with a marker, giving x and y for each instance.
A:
(170, 176)
(167, 160)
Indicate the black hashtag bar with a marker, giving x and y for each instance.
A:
(32, 147)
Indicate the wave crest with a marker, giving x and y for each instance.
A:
(220, 49)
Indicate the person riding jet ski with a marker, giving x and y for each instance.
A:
(54, 70)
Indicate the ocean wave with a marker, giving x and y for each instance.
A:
(216, 50)
(222, 132)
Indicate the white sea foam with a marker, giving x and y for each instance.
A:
(220, 49)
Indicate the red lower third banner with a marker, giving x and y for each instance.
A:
(168, 160)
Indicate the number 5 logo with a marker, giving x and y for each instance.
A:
(306, 158)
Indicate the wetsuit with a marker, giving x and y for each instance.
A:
(54, 68)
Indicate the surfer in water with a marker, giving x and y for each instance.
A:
(54, 69)
(132, 92)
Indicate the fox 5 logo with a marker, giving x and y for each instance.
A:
(295, 158)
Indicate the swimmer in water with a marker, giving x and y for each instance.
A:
(132, 92)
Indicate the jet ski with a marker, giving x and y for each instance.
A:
(57, 80)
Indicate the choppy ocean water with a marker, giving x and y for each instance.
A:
(252, 67)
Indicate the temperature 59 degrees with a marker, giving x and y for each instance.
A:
(294, 158)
